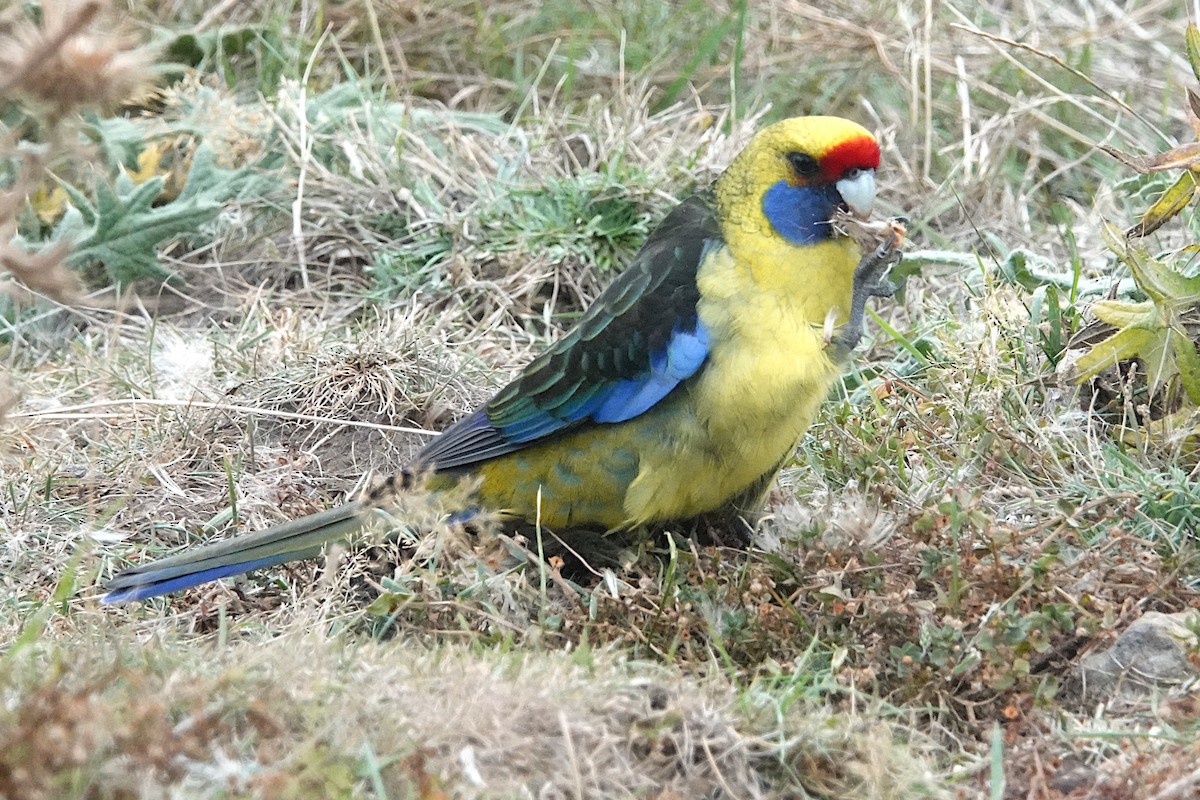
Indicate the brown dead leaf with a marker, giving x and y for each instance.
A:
(44, 272)
(869, 234)
(1185, 156)
(74, 58)
(1193, 109)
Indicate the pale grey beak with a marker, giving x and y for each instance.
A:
(858, 190)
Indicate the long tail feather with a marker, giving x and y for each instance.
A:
(289, 541)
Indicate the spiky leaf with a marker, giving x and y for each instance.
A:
(1187, 360)
(1150, 331)
(122, 229)
(1120, 314)
(1192, 40)
(1168, 288)
(1122, 345)
(1167, 206)
(128, 229)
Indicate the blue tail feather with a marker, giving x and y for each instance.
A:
(152, 588)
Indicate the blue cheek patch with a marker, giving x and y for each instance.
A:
(801, 214)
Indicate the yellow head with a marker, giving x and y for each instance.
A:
(794, 174)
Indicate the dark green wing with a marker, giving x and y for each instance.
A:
(635, 344)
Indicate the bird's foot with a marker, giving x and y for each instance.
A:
(871, 274)
(870, 280)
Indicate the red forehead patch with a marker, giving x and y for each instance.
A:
(861, 152)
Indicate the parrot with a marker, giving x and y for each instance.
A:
(681, 391)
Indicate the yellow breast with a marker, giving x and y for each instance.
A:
(768, 370)
(769, 367)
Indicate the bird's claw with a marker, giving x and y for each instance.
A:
(882, 288)
(870, 280)
(871, 272)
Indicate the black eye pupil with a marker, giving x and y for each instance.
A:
(805, 165)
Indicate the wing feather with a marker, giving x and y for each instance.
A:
(632, 347)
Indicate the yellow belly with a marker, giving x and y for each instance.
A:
(767, 373)
(768, 370)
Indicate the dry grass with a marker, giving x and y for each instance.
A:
(955, 534)
(412, 721)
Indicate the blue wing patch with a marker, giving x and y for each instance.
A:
(634, 346)
(476, 438)
(684, 354)
(624, 399)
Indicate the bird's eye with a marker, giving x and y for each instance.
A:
(804, 165)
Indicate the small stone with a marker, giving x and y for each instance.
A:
(1151, 654)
